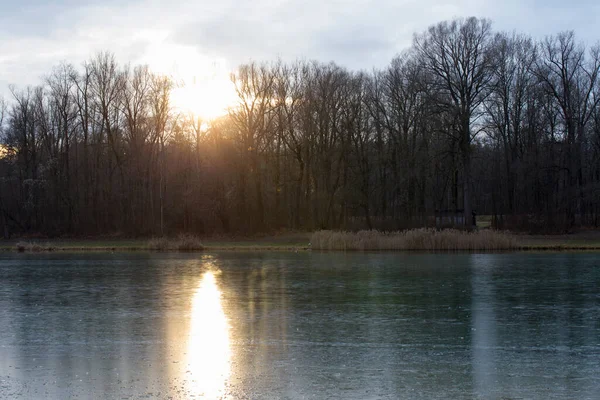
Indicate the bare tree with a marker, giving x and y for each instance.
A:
(571, 80)
(290, 96)
(254, 118)
(107, 84)
(97, 148)
(160, 102)
(506, 107)
(459, 57)
(3, 154)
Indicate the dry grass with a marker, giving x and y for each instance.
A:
(33, 247)
(415, 239)
(181, 243)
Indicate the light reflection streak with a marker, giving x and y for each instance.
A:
(208, 349)
(484, 329)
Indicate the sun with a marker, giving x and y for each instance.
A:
(207, 98)
(202, 83)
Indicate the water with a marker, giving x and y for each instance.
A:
(300, 326)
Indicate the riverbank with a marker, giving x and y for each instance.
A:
(287, 242)
(453, 240)
(579, 241)
(582, 240)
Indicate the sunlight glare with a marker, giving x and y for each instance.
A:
(203, 86)
(4, 151)
(209, 353)
(208, 99)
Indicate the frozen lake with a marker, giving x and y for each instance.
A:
(300, 326)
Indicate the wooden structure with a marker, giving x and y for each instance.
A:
(452, 218)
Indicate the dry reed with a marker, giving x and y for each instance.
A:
(181, 243)
(415, 239)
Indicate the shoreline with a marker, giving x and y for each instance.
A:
(97, 249)
(293, 242)
(290, 243)
(296, 249)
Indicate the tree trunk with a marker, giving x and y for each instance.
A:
(467, 208)
(3, 220)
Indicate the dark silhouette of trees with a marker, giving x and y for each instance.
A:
(465, 119)
(458, 57)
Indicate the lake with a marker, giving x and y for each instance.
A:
(300, 326)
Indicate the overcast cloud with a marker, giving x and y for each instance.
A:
(359, 34)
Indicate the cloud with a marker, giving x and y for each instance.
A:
(359, 34)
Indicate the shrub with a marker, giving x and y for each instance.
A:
(33, 247)
(181, 243)
(189, 243)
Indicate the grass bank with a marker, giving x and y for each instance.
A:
(415, 239)
(282, 242)
(583, 240)
(420, 239)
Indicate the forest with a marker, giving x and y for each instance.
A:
(467, 119)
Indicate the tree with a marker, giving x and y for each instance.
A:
(571, 80)
(459, 58)
(3, 155)
(507, 105)
(98, 149)
(254, 119)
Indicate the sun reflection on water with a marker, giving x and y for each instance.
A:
(208, 350)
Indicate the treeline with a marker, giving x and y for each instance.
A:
(466, 119)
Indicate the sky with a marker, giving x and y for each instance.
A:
(214, 36)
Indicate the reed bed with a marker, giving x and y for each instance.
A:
(181, 243)
(415, 239)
